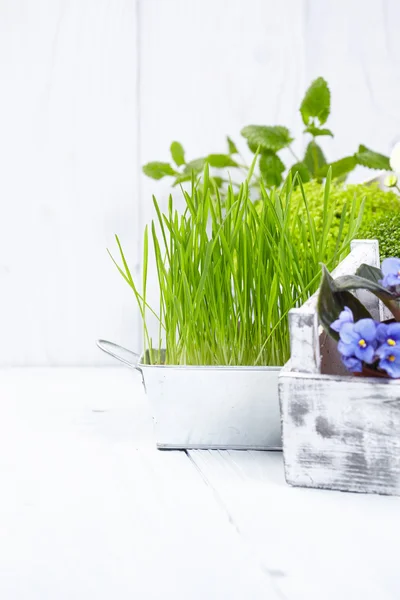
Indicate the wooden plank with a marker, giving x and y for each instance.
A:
(90, 509)
(315, 544)
(341, 432)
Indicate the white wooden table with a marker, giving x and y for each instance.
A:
(90, 510)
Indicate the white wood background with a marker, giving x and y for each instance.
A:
(90, 510)
(91, 90)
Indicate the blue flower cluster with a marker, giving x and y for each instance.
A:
(391, 273)
(368, 341)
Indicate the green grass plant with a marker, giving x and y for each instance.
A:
(229, 271)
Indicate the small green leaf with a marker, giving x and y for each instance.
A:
(231, 146)
(220, 161)
(271, 168)
(371, 159)
(332, 301)
(339, 168)
(182, 178)
(196, 165)
(252, 147)
(158, 170)
(268, 138)
(314, 158)
(302, 169)
(177, 153)
(316, 102)
(316, 131)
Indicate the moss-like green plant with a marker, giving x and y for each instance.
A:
(386, 229)
(378, 206)
(229, 271)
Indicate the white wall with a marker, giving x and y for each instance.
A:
(68, 176)
(92, 89)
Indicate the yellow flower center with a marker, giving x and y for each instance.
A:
(392, 358)
(391, 342)
(362, 343)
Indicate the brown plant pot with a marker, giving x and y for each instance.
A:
(368, 372)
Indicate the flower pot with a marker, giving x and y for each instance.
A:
(339, 431)
(205, 407)
(368, 372)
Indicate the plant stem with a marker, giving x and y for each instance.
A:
(315, 156)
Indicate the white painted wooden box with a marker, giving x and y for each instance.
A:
(339, 431)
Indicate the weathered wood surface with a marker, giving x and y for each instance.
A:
(90, 509)
(339, 431)
(316, 544)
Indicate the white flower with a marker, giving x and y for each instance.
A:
(395, 158)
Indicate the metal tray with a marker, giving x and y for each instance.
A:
(202, 407)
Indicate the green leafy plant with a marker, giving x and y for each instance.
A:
(229, 270)
(269, 141)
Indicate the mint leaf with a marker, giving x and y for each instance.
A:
(302, 169)
(316, 102)
(182, 178)
(314, 158)
(158, 170)
(268, 138)
(253, 147)
(231, 146)
(220, 161)
(271, 168)
(339, 167)
(196, 165)
(371, 159)
(315, 131)
(177, 153)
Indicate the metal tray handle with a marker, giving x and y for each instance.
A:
(120, 353)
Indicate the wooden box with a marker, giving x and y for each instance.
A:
(339, 431)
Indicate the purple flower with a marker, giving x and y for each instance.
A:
(352, 363)
(391, 272)
(358, 340)
(389, 360)
(389, 335)
(346, 316)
